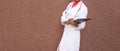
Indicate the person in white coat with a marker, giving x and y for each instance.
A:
(71, 36)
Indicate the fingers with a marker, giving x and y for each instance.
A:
(71, 21)
(66, 22)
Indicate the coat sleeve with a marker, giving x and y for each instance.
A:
(84, 14)
(63, 17)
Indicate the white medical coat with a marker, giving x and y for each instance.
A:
(71, 36)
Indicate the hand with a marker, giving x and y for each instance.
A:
(66, 22)
(71, 21)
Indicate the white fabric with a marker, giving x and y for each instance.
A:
(71, 36)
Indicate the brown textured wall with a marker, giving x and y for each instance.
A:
(102, 33)
(34, 25)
